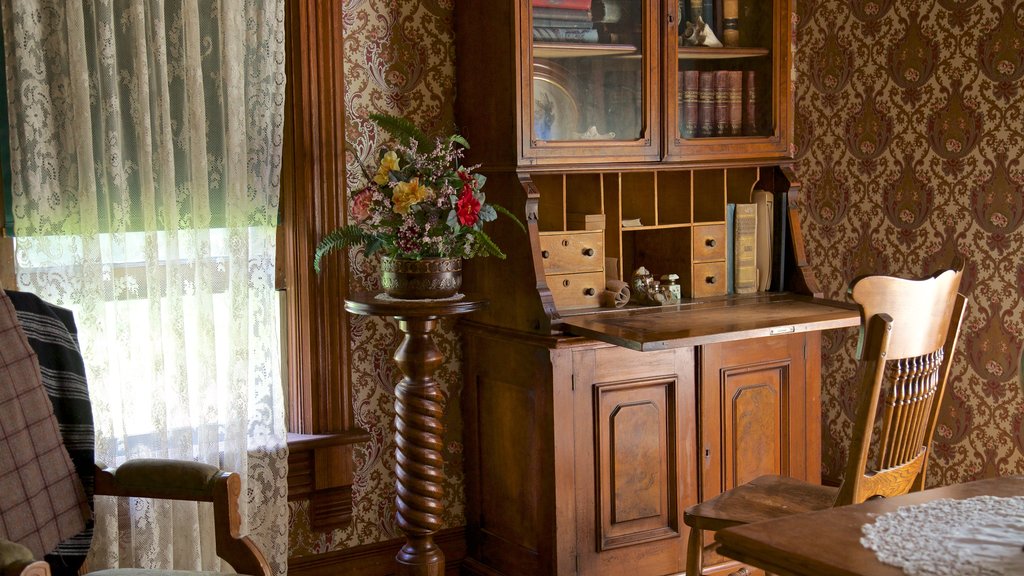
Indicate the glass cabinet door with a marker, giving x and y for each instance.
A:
(593, 79)
(728, 70)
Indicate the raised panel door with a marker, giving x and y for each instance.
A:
(635, 456)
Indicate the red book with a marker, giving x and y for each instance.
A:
(750, 123)
(735, 102)
(706, 104)
(722, 103)
(570, 4)
(689, 92)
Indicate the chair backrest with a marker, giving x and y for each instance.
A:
(909, 333)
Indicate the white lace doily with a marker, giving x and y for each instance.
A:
(981, 536)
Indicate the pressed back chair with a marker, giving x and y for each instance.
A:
(908, 335)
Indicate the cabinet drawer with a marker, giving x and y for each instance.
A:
(571, 252)
(709, 279)
(709, 242)
(576, 290)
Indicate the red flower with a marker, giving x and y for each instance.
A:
(467, 208)
(361, 205)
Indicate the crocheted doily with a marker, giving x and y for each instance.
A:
(981, 536)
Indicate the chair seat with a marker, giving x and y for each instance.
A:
(764, 498)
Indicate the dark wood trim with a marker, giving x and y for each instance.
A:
(312, 204)
(377, 559)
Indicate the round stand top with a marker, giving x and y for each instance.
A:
(369, 304)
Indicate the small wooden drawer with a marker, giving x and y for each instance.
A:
(576, 290)
(572, 252)
(709, 242)
(709, 279)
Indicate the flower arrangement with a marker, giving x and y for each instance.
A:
(419, 202)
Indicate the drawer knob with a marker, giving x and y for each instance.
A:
(710, 242)
(545, 254)
(588, 251)
(710, 279)
(589, 292)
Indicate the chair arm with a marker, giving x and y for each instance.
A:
(186, 480)
(16, 560)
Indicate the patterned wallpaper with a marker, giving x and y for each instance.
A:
(910, 132)
(399, 59)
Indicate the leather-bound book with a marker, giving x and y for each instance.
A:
(745, 248)
(722, 103)
(730, 23)
(696, 11)
(750, 121)
(735, 102)
(706, 104)
(689, 91)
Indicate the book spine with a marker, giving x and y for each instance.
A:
(708, 11)
(561, 14)
(750, 124)
(569, 4)
(745, 248)
(780, 240)
(690, 91)
(706, 104)
(730, 22)
(722, 103)
(730, 258)
(553, 23)
(696, 11)
(735, 102)
(565, 35)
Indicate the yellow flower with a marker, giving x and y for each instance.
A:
(408, 193)
(387, 164)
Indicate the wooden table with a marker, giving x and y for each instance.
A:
(827, 543)
(419, 466)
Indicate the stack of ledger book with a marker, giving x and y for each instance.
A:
(563, 21)
(758, 235)
(718, 103)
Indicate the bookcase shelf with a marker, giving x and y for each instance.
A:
(578, 50)
(705, 53)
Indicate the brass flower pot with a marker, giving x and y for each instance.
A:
(420, 279)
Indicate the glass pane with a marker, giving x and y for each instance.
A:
(587, 69)
(725, 69)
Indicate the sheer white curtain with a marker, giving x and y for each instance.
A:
(146, 151)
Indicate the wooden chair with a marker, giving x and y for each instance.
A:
(908, 335)
(21, 380)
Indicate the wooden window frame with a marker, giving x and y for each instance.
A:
(322, 429)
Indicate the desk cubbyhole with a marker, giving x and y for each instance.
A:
(551, 205)
(709, 195)
(638, 194)
(739, 183)
(674, 206)
(660, 250)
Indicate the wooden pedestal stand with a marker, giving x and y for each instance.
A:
(419, 466)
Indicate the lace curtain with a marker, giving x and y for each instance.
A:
(146, 151)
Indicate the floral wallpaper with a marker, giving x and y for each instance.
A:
(910, 132)
(399, 59)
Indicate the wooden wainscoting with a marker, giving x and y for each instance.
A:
(377, 559)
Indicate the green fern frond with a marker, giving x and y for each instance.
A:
(402, 130)
(503, 210)
(460, 140)
(343, 237)
(488, 247)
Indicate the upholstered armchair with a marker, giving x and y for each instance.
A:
(43, 495)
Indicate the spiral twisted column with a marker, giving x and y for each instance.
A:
(419, 433)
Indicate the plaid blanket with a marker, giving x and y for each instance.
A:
(52, 334)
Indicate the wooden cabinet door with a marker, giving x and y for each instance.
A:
(760, 412)
(635, 456)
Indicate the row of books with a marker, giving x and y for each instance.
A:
(718, 103)
(563, 21)
(758, 235)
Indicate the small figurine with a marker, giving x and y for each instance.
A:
(644, 289)
(699, 34)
